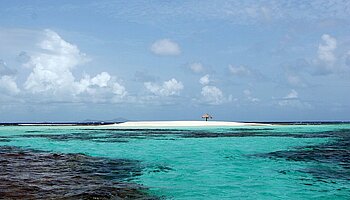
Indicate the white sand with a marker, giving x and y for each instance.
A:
(182, 124)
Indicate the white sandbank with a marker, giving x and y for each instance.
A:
(182, 124)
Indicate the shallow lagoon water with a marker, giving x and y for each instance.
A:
(250, 162)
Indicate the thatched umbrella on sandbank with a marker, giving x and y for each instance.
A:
(206, 116)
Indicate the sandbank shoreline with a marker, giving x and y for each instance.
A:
(182, 124)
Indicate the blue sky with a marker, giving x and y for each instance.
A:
(174, 60)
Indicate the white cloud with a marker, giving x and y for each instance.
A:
(8, 85)
(239, 70)
(101, 79)
(330, 59)
(212, 95)
(204, 80)
(326, 50)
(52, 66)
(292, 95)
(292, 100)
(253, 99)
(5, 70)
(118, 89)
(197, 67)
(165, 47)
(100, 85)
(52, 73)
(168, 88)
(248, 94)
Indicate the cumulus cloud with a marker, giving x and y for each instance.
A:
(197, 67)
(165, 47)
(329, 60)
(326, 49)
(292, 100)
(52, 66)
(292, 95)
(52, 73)
(23, 57)
(204, 80)
(101, 80)
(168, 88)
(246, 72)
(212, 95)
(239, 70)
(5, 70)
(101, 83)
(248, 94)
(8, 85)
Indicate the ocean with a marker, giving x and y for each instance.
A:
(245, 162)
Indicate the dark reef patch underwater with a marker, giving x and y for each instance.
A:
(123, 135)
(32, 174)
(334, 155)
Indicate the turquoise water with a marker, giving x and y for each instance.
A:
(213, 163)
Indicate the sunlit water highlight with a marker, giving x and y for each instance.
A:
(268, 162)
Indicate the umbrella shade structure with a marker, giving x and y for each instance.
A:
(207, 116)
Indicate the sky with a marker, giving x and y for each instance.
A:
(174, 60)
